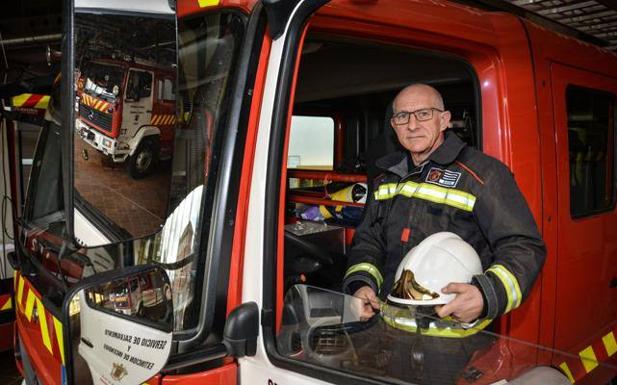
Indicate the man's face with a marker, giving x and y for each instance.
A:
(420, 137)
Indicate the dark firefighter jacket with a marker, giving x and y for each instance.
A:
(461, 190)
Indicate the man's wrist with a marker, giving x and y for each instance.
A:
(484, 312)
(355, 286)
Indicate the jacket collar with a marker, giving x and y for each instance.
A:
(398, 163)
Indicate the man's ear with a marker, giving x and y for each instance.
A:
(444, 120)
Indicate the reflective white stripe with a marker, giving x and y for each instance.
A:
(510, 284)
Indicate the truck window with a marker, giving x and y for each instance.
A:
(166, 90)
(139, 84)
(591, 138)
(311, 143)
(47, 172)
(210, 46)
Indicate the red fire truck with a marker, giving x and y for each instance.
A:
(271, 84)
(127, 110)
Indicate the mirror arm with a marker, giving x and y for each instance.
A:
(196, 357)
(11, 256)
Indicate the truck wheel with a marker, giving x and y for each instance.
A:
(145, 158)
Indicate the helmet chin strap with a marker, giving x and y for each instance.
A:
(424, 315)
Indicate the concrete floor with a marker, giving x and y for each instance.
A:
(138, 206)
(8, 371)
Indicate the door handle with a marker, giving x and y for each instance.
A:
(87, 342)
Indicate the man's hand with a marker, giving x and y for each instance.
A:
(368, 304)
(466, 306)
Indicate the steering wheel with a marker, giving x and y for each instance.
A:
(302, 256)
(302, 247)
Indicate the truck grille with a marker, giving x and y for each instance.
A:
(101, 119)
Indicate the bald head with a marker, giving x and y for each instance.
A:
(420, 90)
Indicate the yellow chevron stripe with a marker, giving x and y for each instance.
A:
(170, 119)
(207, 3)
(59, 338)
(566, 370)
(153, 119)
(29, 305)
(8, 305)
(588, 358)
(610, 344)
(19, 100)
(43, 324)
(20, 291)
(103, 106)
(43, 103)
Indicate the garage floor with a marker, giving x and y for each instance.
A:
(138, 206)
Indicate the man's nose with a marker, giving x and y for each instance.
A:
(412, 124)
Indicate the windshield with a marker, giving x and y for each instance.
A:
(411, 345)
(172, 205)
(103, 80)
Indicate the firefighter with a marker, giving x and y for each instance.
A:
(441, 184)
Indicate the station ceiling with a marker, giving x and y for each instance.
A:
(28, 26)
(594, 21)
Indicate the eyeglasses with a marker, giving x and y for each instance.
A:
(421, 115)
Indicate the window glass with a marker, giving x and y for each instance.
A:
(166, 90)
(311, 143)
(139, 85)
(591, 137)
(209, 48)
(47, 199)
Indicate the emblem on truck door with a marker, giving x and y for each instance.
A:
(118, 372)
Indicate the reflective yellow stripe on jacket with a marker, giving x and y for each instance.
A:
(510, 284)
(368, 268)
(436, 194)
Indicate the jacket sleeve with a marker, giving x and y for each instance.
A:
(367, 254)
(518, 250)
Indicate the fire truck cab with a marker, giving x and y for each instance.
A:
(248, 227)
(127, 110)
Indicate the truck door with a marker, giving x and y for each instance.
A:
(584, 111)
(164, 111)
(137, 110)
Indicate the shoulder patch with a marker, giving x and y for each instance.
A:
(442, 177)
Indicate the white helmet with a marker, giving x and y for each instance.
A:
(427, 268)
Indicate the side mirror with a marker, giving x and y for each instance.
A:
(241, 330)
(121, 325)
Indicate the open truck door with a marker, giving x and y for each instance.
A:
(93, 241)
